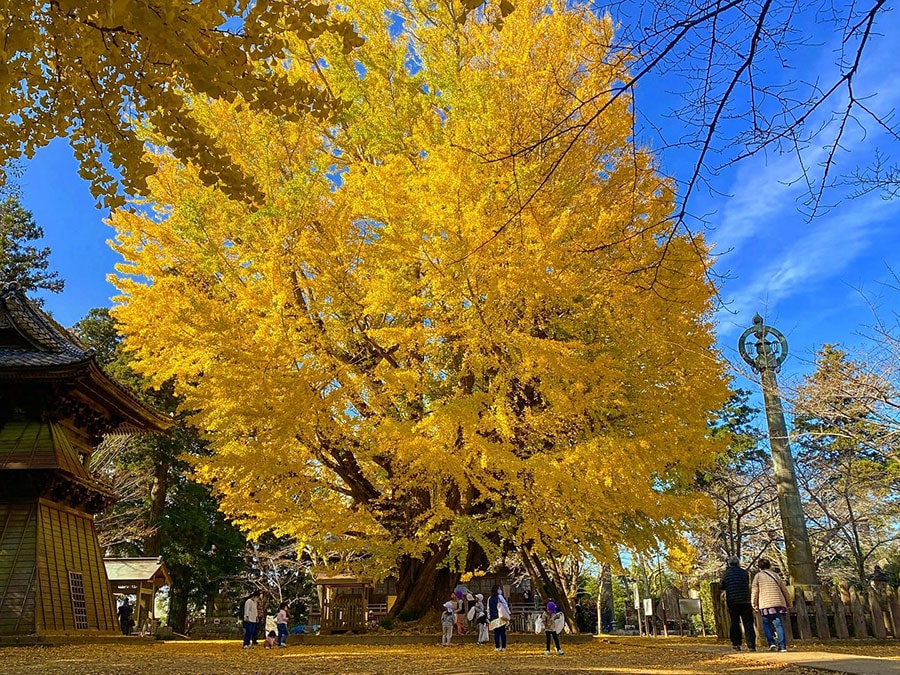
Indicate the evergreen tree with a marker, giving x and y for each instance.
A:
(162, 512)
(741, 486)
(20, 260)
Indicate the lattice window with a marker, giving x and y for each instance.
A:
(79, 606)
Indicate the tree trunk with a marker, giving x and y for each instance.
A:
(550, 589)
(153, 541)
(422, 585)
(605, 609)
(178, 608)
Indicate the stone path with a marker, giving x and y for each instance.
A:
(829, 661)
(852, 664)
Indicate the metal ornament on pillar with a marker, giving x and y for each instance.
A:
(771, 349)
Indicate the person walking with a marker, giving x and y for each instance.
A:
(281, 620)
(250, 618)
(553, 622)
(769, 596)
(262, 603)
(453, 600)
(498, 615)
(125, 611)
(736, 584)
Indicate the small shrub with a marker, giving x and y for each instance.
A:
(387, 623)
(407, 615)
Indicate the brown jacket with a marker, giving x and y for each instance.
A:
(768, 590)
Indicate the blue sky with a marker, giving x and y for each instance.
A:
(816, 281)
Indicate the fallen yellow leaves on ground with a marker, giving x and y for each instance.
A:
(156, 658)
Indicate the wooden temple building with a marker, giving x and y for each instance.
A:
(142, 578)
(343, 602)
(56, 404)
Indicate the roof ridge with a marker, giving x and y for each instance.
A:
(37, 327)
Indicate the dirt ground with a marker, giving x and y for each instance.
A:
(163, 658)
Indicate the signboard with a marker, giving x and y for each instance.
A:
(637, 597)
(688, 606)
(648, 606)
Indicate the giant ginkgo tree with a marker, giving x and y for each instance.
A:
(414, 359)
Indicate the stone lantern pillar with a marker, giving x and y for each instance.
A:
(764, 348)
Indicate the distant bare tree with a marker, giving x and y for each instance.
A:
(735, 80)
(126, 521)
(847, 464)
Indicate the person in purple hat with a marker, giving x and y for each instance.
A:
(553, 622)
(460, 613)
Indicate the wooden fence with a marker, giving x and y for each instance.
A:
(830, 611)
(344, 613)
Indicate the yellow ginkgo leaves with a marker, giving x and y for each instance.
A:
(437, 338)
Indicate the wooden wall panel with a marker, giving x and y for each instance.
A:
(18, 537)
(69, 544)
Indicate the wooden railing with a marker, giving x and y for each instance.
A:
(826, 612)
(522, 617)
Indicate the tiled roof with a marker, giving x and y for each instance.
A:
(33, 347)
(29, 337)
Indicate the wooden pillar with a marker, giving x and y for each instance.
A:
(840, 617)
(803, 626)
(789, 618)
(877, 615)
(822, 628)
(788, 628)
(860, 632)
(720, 613)
(893, 611)
(758, 622)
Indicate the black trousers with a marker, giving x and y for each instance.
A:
(555, 636)
(742, 613)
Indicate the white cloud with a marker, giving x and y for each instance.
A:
(779, 259)
(761, 190)
(798, 264)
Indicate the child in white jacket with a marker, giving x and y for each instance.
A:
(553, 623)
(448, 620)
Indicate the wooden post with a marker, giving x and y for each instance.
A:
(821, 615)
(840, 616)
(893, 610)
(720, 615)
(803, 626)
(858, 613)
(877, 615)
(844, 588)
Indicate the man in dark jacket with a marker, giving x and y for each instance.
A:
(125, 612)
(736, 584)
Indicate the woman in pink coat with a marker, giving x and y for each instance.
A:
(769, 596)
